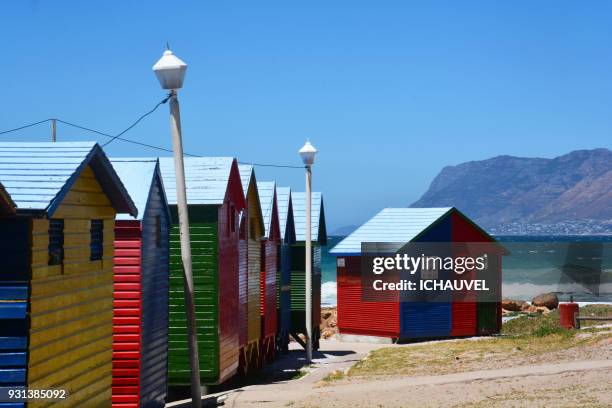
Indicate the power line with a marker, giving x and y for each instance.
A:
(163, 101)
(150, 146)
(24, 126)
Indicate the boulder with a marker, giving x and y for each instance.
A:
(542, 309)
(549, 300)
(512, 305)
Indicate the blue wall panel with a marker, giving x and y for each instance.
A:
(14, 290)
(428, 318)
(155, 286)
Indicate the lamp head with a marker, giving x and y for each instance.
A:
(308, 153)
(170, 71)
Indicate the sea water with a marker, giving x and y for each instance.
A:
(534, 265)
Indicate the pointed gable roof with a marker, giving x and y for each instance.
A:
(269, 208)
(285, 214)
(399, 225)
(39, 175)
(139, 175)
(318, 227)
(206, 179)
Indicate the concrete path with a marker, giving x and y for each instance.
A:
(288, 392)
(283, 391)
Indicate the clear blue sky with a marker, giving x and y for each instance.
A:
(390, 92)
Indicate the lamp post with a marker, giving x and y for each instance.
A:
(170, 72)
(308, 153)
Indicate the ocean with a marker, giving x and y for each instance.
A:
(577, 266)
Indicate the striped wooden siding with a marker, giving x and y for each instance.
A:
(356, 316)
(228, 293)
(14, 272)
(127, 319)
(268, 288)
(204, 250)
(71, 306)
(254, 291)
(155, 285)
(283, 297)
(298, 287)
(242, 292)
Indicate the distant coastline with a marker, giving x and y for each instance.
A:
(522, 280)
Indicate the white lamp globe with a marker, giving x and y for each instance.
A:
(170, 71)
(308, 153)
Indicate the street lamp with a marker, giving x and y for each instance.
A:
(308, 153)
(170, 72)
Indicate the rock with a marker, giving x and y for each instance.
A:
(549, 300)
(326, 315)
(542, 309)
(525, 307)
(513, 305)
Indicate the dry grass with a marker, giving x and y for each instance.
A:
(529, 340)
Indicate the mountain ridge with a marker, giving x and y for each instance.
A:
(509, 189)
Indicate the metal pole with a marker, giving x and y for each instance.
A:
(181, 199)
(308, 266)
(54, 130)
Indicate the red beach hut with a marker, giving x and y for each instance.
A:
(393, 317)
(140, 322)
(269, 268)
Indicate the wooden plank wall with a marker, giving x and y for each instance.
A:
(204, 249)
(14, 288)
(155, 284)
(71, 304)
(127, 319)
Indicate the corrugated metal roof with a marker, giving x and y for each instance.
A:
(390, 225)
(247, 174)
(283, 195)
(266, 200)
(299, 215)
(137, 175)
(38, 175)
(206, 178)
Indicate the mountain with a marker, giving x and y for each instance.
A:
(507, 189)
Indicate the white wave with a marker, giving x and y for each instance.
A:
(329, 294)
(527, 291)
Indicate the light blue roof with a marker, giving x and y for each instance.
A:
(39, 175)
(138, 175)
(247, 174)
(299, 216)
(390, 225)
(283, 197)
(266, 200)
(206, 178)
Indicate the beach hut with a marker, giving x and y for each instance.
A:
(269, 269)
(140, 322)
(214, 199)
(251, 232)
(393, 317)
(283, 273)
(298, 264)
(56, 274)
